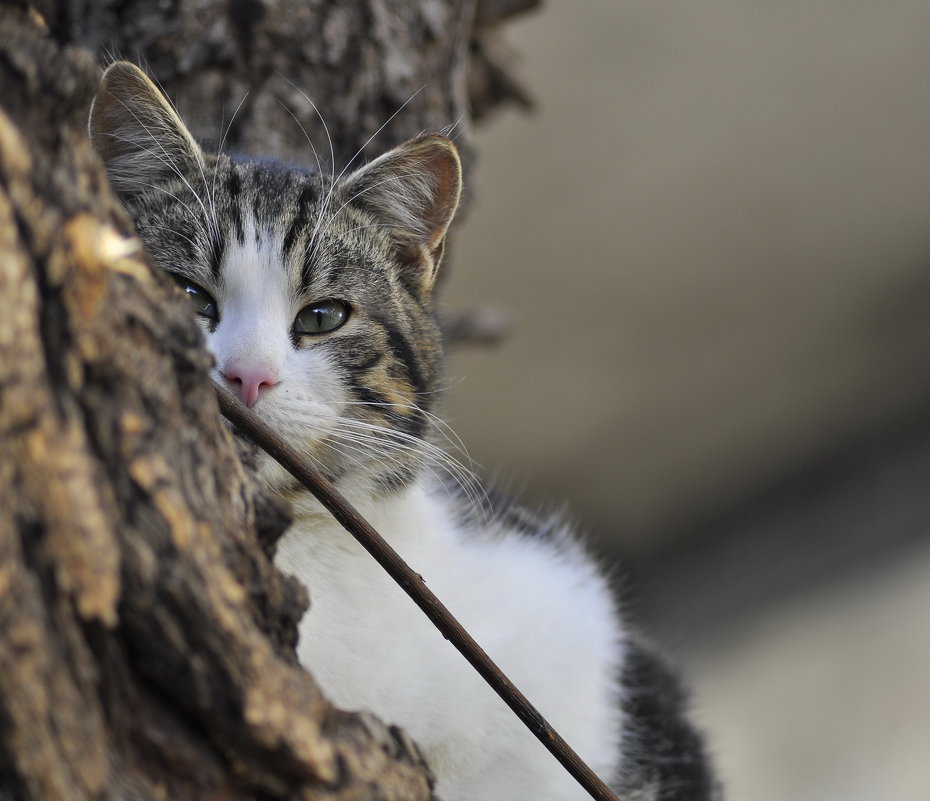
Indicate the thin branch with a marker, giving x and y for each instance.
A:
(492, 78)
(412, 583)
(491, 12)
(475, 325)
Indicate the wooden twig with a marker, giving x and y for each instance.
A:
(412, 583)
(491, 12)
(475, 325)
(492, 79)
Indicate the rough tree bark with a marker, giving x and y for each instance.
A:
(146, 640)
(268, 63)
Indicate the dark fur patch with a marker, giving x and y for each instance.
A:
(217, 250)
(234, 188)
(405, 355)
(665, 757)
(301, 219)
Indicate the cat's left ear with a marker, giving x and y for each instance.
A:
(415, 189)
(138, 134)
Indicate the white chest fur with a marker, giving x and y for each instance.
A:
(541, 611)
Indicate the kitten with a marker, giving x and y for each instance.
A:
(314, 295)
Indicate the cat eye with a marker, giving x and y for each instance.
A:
(200, 299)
(321, 316)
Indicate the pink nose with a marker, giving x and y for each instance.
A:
(248, 380)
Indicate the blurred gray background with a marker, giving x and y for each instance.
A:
(713, 240)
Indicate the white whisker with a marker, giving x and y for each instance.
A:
(388, 438)
(385, 449)
(175, 233)
(444, 429)
(316, 156)
(449, 129)
(219, 151)
(164, 191)
(203, 176)
(337, 178)
(332, 161)
(232, 119)
(367, 189)
(384, 125)
(166, 159)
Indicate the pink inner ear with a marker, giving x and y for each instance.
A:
(440, 155)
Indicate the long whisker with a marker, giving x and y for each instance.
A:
(176, 233)
(402, 441)
(371, 445)
(368, 446)
(362, 192)
(445, 430)
(326, 202)
(316, 156)
(383, 126)
(212, 219)
(203, 177)
(166, 159)
(342, 445)
(444, 388)
(164, 191)
(161, 189)
(329, 139)
(332, 161)
(220, 147)
(232, 119)
(449, 129)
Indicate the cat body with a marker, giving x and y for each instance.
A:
(315, 297)
(509, 592)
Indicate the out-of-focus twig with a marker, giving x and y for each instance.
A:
(492, 78)
(490, 12)
(475, 325)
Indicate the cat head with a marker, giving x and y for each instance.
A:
(314, 292)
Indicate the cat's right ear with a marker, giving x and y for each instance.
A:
(137, 132)
(414, 190)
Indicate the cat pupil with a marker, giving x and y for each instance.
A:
(320, 317)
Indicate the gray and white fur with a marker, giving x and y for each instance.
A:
(314, 294)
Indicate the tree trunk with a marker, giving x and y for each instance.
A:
(146, 640)
(262, 76)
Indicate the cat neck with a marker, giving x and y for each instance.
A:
(406, 518)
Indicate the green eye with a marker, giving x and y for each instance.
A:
(200, 299)
(320, 317)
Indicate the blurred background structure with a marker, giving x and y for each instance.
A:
(713, 238)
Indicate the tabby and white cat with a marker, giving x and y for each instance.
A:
(314, 295)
